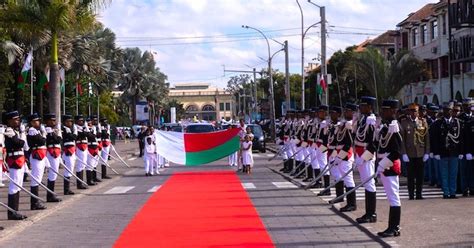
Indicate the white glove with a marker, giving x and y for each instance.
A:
(460, 156)
(9, 132)
(42, 129)
(22, 128)
(57, 131)
(431, 155)
(2, 130)
(405, 158)
(48, 130)
(437, 157)
(426, 157)
(380, 170)
(469, 156)
(337, 160)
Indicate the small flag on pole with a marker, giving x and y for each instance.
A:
(23, 79)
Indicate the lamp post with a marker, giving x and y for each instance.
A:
(322, 13)
(272, 102)
(302, 58)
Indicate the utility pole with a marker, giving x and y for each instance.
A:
(287, 77)
(302, 58)
(322, 10)
(255, 101)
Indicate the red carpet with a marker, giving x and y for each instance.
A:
(201, 209)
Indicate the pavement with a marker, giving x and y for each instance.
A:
(294, 217)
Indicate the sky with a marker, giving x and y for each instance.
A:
(194, 40)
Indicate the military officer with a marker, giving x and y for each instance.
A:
(105, 144)
(69, 152)
(37, 143)
(365, 147)
(469, 151)
(333, 129)
(81, 151)
(464, 164)
(446, 148)
(93, 151)
(16, 161)
(53, 143)
(416, 145)
(321, 147)
(345, 158)
(389, 167)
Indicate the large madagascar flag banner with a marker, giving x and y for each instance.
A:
(197, 148)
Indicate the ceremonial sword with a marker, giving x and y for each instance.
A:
(21, 187)
(113, 148)
(94, 169)
(7, 207)
(73, 174)
(321, 174)
(353, 189)
(40, 184)
(340, 179)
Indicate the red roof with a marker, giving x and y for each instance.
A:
(424, 13)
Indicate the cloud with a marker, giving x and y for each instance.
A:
(193, 39)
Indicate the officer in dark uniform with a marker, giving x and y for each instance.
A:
(389, 152)
(447, 148)
(469, 150)
(435, 172)
(464, 164)
(15, 160)
(53, 142)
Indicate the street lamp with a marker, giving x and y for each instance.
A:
(272, 102)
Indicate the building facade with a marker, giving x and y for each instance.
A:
(203, 101)
(425, 33)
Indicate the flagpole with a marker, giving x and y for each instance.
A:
(77, 95)
(32, 77)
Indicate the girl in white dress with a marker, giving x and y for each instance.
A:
(247, 157)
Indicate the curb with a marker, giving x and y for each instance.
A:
(22, 225)
(346, 215)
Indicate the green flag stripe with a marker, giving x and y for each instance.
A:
(216, 153)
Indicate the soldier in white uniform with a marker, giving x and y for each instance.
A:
(53, 142)
(69, 151)
(105, 144)
(335, 113)
(81, 151)
(321, 148)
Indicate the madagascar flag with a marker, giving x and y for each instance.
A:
(197, 148)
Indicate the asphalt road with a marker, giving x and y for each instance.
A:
(293, 217)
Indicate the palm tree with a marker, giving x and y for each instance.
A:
(51, 18)
(382, 77)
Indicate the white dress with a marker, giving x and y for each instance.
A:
(247, 157)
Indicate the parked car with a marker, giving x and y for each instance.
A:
(258, 142)
(199, 128)
(174, 127)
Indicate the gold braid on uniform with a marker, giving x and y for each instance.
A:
(420, 133)
(454, 137)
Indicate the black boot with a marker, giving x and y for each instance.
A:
(309, 174)
(34, 203)
(14, 203)
(393, 229)
(326, 184)
(300, 172)
(50, 197)
(67, 189)
(89, 178)
(351, 201)
(370, 205)
(104, 172)
(80, 185)
(339, 191)
(25, 177)
(94, 177)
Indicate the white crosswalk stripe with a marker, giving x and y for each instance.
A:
(132, 158)
(248, 186)
(119, 190)
(154, 189)
(284, 185)
(360, 193)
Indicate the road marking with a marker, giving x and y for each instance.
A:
(284, 185)
(154, 189)
(132, 158)
(119, 190)
(248, 186)
(269, 155)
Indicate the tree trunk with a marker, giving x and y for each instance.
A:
(54, 87)
(134, 109)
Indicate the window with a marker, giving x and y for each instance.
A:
(415, 37)
(191, 108)
(434, 69)
(221, 106)
(405, 40)
(443, 17)
(435, 99)
(208, 108)
(227, 106)
(424, 34)
(434, 30)
(444, 67)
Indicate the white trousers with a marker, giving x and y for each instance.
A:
(105, 153)
(54, 167)
(150, 160)
(70, 162)
(233, 159)
(336, 175)
(366, 170)
(344, 167)
(92, 162)
(37, 170)
(391, 186)
(81, 157)
(17, 176)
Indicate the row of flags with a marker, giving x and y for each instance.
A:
(43, 80)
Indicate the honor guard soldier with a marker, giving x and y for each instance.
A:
(345, 158)
(335, 113)
(464, 164)
(365, 147)
(299, 156)
(105, 144)
(2, 153)
(416, 144)
(53, 142)
(280, 140)
(288, 165)
(306, 163)
(16, 161)
(469, 150)
(37, 142)
(81, 151)
(69, 151)
(93, 148)
(320, 148)
(446, 148)
(311, 134)
(388, 152)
